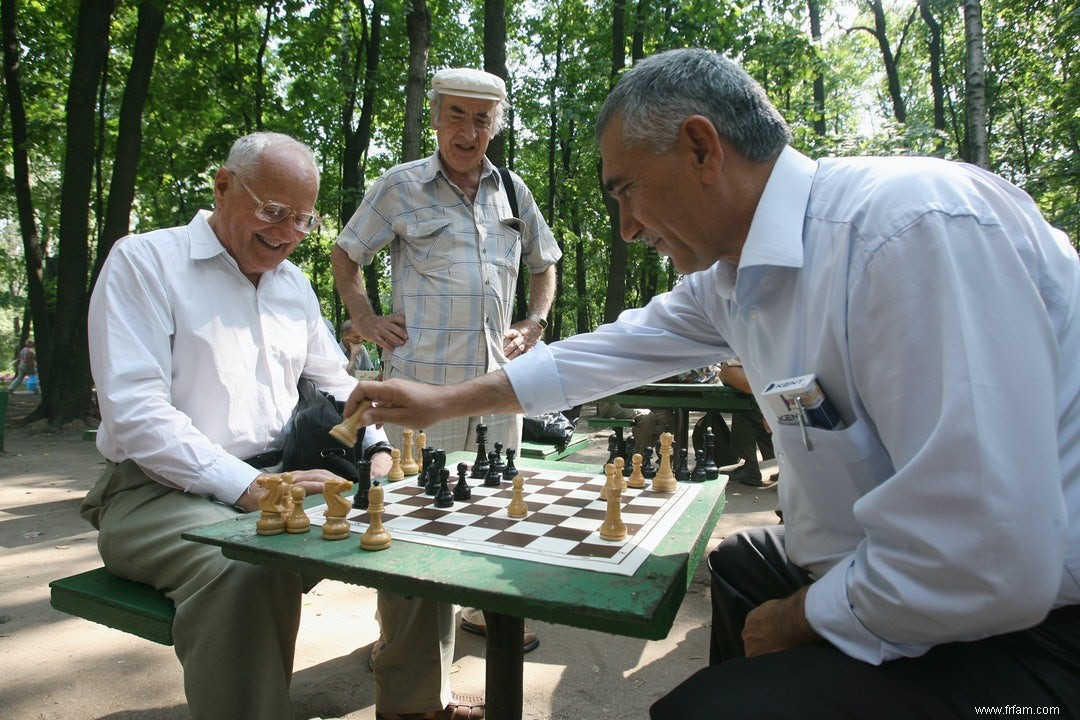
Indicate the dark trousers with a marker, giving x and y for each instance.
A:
(1019, 672)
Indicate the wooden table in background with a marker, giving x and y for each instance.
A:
(684, 398)
(642, 605)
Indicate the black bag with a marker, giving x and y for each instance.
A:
(548, 429)
(308, 444)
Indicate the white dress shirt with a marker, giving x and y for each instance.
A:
(195, 366)
(939, 312)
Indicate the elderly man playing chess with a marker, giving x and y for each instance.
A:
(198, 337)
(456, 245)
(929, 561)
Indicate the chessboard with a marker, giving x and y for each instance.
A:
(561, 528)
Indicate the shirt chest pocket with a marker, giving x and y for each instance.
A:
(852, 456)
(427, 244)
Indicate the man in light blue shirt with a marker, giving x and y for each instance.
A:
(929, 563)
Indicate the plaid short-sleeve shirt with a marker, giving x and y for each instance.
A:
(454, 264)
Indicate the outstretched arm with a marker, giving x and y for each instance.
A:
(416, 405)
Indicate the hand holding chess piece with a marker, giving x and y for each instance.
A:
(376, 537)
(665, 477)
(345, 431)
(336, 527)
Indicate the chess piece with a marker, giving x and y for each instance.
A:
(682, 471)
(376, 536)
(345, 431)
(636, 479)
(396, 471)
(620, 465)
(409, 466)
(335, 526)
(363, 485)
(698, 473)
(298, 521)
(712, 470)
(438, 461)
(425, 467)
(462, 491)
(492, 478)
(286, 495)
(421, 443)
(498, 464)
(665, 478)
(480, 465)
(647, 467)
(613, 528)
(444, 498)
(510, 471)
(517, 508)
(628, 463)
(612, 449)
(272, 519)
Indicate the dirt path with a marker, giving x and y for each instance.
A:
(53, 666)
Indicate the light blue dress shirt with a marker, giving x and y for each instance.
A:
(938, 311)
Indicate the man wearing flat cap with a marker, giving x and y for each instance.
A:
(456, 246)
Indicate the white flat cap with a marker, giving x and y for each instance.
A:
(466, 82)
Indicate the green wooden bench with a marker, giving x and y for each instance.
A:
(545, 451)
(100, 596)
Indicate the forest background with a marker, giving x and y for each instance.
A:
(117, 113)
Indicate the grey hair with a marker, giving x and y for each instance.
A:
(247, 152)
(498, 116)
(658, 93)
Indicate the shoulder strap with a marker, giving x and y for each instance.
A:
(508, 186)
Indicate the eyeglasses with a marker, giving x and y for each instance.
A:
(274, 212)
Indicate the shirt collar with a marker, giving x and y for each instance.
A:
(434, 168)
(775, 236)
(204, 242)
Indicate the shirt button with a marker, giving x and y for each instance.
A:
(753, 313)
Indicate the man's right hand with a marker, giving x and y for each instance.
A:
(386, 331)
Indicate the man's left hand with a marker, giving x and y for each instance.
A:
(521, 338)
(778, 625)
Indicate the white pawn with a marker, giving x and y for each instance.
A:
(517, 508)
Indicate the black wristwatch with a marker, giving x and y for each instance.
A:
(381, 446)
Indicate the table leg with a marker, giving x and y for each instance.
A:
(505, 666)
(682, 433)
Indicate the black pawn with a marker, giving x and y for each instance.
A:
(444, 498)
(628, 467)
(493, 478)
(363, 484)
(510, 470)
(462, 491)
(682, 471)
(647, 468)
(612, 448)
(498, 464)
(698, 475)
(480, 465)
(712, 470)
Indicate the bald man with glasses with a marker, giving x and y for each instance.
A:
(198, 337)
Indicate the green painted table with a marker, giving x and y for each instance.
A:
(507, 590)
(684, 397)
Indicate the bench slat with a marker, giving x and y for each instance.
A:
(104, 598)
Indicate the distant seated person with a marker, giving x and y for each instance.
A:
(199, 336)
(748, 434)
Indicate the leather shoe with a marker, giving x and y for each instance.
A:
(461, 707)
(472, 621)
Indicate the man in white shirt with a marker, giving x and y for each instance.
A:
(930, 556)
(198, 338)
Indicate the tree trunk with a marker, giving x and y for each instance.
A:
(260, 63)
(418, 23)
(129, 132)
(32, 248)
(615, 298)
(66, 386)
(889, 60)
(937, 86)
(495, 63)
(976, 150)
(814, 9)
